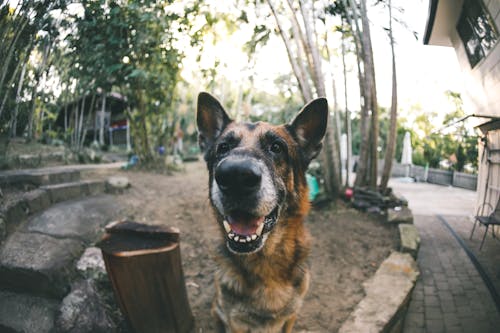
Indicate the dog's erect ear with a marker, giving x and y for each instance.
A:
(309, 127)
(211, 120)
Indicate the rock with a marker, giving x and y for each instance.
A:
(94, 187)
(360, 204)
(83, 311)
(38, 263)
(15, 212)
(58, 176)
(117, 184)
(81, 219)
(89, 155)
(37, 200)
(64, 191)
(410, 239)
(374, 210)
(399, 215)
(401, 199)
(91, 265)
(29, 161)
(387, 297)
(3, 228)
(27, 314)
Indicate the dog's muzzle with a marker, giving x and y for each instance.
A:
(245, 195)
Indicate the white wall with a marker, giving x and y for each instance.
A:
(483, 81)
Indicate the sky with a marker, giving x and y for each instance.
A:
(424, 72)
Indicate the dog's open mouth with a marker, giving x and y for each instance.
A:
(246, 233)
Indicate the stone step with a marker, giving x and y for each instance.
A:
(40, 256)
(37, 200)
(26, 313)
(50, 175)
(38, 177)
(72, 190)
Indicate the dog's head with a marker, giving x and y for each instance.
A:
(257, 170)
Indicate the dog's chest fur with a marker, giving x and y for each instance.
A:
(263, 290)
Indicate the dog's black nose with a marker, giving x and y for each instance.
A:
(238, 176)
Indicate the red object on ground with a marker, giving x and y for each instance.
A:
(349, 193)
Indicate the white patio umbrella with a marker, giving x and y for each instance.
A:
(407, 150)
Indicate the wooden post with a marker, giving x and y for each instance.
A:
(144, 265)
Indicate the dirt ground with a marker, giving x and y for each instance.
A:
(348, 246)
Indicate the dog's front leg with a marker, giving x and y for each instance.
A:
(288, 327)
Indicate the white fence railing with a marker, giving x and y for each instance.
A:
(434, 176)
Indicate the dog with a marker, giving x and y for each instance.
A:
(259, 195)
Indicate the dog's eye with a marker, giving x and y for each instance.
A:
(276, 148)
(222, 148)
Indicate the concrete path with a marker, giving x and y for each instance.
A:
(450, 295)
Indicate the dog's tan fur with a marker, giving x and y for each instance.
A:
(263, 291)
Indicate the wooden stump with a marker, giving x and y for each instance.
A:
(144, 265)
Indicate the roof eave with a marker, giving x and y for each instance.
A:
(433, 4)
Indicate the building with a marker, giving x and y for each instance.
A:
(471, 28)
(85, 114)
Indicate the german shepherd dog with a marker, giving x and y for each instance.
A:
(259, 195)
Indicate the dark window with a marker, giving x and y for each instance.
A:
(477, 31)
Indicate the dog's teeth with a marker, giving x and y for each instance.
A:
(236, 238)
(254, 237)
(226, 226)
(230, 235)
(249, 238)
(243, 240)
(259, 229)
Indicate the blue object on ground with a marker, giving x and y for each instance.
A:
(312, 183)
(133, 161)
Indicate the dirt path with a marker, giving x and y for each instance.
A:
(348, 246)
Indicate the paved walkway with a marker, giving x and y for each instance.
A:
(450, 295)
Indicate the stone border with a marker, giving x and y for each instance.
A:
(42, 198)
(388, 292)
(38, 177)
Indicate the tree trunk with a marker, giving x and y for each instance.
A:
(10, 53)
(316, 72)
(372, 86)
(302, 53)
(336, 108)
(391, 136)
(6, 96)
(89, 119)
(80, 124)
(331, 158)
(347, 123)
(304, 86)
(38, 76)
(363, 159)
(75, 125)
(302, 38)
(101, 117)
(18, 100)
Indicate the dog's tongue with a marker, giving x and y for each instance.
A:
(244, 224)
